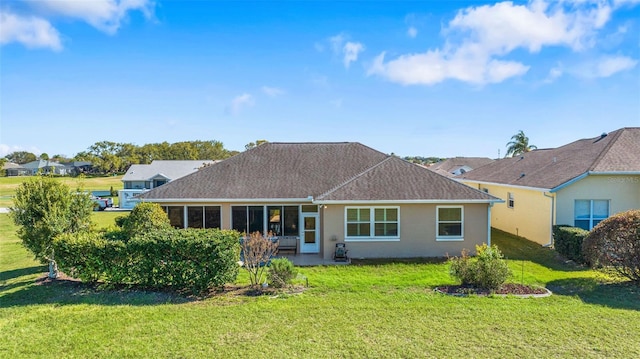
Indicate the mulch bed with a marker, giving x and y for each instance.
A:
(506, 289)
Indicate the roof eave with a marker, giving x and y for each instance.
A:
(539, 189)
(228, 200)
(410, 201)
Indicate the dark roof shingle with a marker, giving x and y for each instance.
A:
(618, 151)
(330, 171)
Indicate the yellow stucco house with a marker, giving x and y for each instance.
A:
(319, 194)
(578, 184)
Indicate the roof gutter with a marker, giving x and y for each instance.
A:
(569, 182)
(614, 173)
(410, 201)
(228, 200)
(553, 199)
(489, 224)
(539, 189)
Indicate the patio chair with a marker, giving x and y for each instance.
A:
(340, 255)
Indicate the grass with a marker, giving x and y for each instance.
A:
(8, 185)
(381, 309)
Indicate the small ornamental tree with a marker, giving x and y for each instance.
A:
(281, 272)
(44, 208)
(615, 243)
(257, 250)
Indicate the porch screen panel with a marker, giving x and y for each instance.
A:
(176, 216)
(212, 217)
(274, 218)
(255, 218)
(291, 220)
(239, 218)
(195, 217)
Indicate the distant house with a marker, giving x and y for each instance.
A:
(321, 194)
(577, 184)
(46, 167)
(77, 167)
(141, 178)
(452, 167)
(14, 169)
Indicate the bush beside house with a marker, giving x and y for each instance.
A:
(568, 241)
(615, 243)
(190, 260)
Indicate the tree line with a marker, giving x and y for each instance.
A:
(109, 157)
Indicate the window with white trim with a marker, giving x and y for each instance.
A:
(510, 200)
(589, 212)
(372, 223)
(449, 223)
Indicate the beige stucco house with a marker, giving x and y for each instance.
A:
(320, 194)
(578, 184)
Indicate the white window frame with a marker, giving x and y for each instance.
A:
(591, 217)
(372, 225)
(511, 201)
(440, 238)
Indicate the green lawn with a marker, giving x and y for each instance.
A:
(367, 310)
(8, 185)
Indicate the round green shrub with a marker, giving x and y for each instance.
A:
(615, 243)
(281, 272)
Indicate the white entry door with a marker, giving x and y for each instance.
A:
(310, 234)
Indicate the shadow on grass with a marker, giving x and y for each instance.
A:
(519, 248)
(10, 274)
(413, 260)
(621, 295)
(66, 292)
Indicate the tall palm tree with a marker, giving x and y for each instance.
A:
(519, 144)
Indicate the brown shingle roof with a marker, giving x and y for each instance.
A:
(299, 170)
(449, 165)
(619, 151)
(399, 180)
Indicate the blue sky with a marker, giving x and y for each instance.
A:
(429, 78)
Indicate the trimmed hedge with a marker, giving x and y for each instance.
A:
(568, 240)
(185, 260)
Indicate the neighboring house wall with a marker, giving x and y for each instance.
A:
(622, 192)
(530, 216)
(417, 232)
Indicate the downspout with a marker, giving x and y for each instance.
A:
(553, 198)
(489, 224)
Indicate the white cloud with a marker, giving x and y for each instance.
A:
(348, 50)
(105, 15)
(477, 37)
(240, 102)
(351, 51)
(605, 66)
(336, 42)
(34, 29)
(32, 32)
(412, 32)
(553, 75)
(272, 91)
